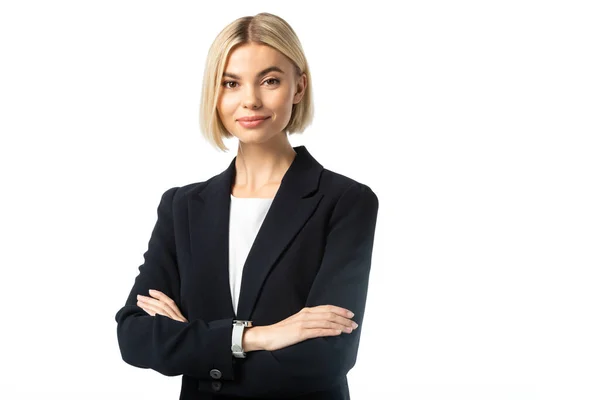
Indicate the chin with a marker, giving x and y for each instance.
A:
(254, 136)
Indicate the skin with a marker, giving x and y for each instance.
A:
(264, 155)
(264, 152)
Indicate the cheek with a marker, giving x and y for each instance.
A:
(280, 101)
(227, 104)
(226, 109)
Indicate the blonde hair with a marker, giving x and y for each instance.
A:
(266, 29)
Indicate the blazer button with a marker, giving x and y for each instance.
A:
(216, 386)
(215, 374)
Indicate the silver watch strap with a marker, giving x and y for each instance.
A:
(236, 337)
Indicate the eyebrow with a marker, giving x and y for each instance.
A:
(264, 71)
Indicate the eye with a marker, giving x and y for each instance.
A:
(274, 81)
(226, 82)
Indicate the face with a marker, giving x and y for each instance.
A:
(258, 81)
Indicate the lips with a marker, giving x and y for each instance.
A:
(252, 124)
(252, 118)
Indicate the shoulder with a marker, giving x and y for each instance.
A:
(338, 185)
(179, 194)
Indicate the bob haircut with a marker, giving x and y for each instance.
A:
(266, 29)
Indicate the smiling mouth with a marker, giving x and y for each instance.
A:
(253, 123)
(252, 119)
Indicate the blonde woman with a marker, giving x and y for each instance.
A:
(255, 281)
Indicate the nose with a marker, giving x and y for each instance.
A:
(251, 100)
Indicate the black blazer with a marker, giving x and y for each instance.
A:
(313, 248)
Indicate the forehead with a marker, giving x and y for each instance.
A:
(252, 57)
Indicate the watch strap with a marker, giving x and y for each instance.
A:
(237, 336)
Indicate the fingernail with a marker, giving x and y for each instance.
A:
(354, 325)
(350, 314)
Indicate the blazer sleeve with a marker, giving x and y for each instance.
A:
(319, 363)
(342, 280)
(158, 342)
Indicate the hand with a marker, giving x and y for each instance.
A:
(310, 322)
(161, 304)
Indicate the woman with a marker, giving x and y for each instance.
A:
(254, 280)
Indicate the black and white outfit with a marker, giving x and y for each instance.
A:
(224, 259)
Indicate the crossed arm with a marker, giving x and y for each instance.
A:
(173, 347)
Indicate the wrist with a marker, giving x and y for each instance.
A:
(252, 339)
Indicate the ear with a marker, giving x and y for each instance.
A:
(301, 83)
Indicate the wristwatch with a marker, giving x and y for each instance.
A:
(236, 337)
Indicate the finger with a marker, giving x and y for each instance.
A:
(153, 310)
(307, 312)
(167, 300)
(141, 305)
(146, 308)
(325, 324)
(318, 332)
(160, 303)
(331, 308)
(160, 308)
(157, 306)
(325, 320)
(329, 316)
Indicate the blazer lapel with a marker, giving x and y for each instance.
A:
(209, 211)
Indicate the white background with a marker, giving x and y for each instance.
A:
(475, 122)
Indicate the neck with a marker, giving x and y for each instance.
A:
(261, 164)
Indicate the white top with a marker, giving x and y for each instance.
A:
(246, 216)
